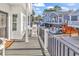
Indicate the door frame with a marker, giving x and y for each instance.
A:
(6, 29)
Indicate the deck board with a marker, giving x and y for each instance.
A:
(32, 48)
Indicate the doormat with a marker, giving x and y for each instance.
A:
(8, 43)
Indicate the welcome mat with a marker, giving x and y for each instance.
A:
(8, 43)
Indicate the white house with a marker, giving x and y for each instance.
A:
(14, 20)
(74, 19)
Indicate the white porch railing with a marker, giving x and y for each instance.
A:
(57, 46)
(74, 24)
(43, 37)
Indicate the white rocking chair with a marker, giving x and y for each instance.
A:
(2, 46)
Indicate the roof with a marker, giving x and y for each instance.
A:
(71, 12)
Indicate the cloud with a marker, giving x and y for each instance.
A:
(65, 8)
(37, 9)
(50, 7)
(74, 9)
(39, 4)
(39, 12)
(71, 4)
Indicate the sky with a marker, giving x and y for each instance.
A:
(39, 7)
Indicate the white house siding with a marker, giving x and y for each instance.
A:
(4, 7)
(16, 34)
(22, 10)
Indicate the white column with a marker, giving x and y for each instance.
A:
(58, 19)
(69, 20)
(62, 19)
(9, 25)
(69, 17)
(45, 39)
(26, 39)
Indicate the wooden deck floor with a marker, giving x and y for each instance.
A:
(32, 48)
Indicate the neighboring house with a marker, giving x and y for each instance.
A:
(14, 19)
(74, 19)
(59, 17)
(53, 17)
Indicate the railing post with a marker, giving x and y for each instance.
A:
(45, 39)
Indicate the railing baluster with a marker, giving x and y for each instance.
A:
(74, 53)
(57, 47)
(68, 51)
(60, 48)
(63, 49)
(54, 46)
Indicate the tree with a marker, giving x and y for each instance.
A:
(37, 18)
(48, 10)
(56, 8)
(33, 13)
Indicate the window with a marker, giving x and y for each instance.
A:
(60, 19)
(2, 20)
(55, 19)
(66, 17)
(73, 18)
(14, 22)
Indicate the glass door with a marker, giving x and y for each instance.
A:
(3, 24)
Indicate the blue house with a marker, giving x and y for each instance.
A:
(55, 17)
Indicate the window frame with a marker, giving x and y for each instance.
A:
(14, 22)
(75, 17)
